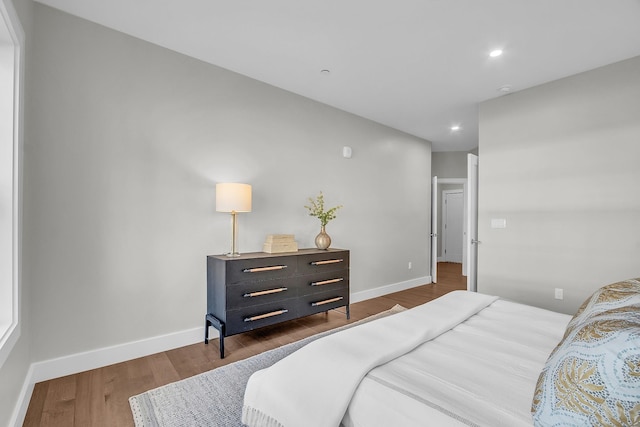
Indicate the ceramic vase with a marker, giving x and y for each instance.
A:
(323, 241)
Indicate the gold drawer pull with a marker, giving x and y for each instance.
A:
(327, 282)
(262, 269)
(264, 316)
(327, 301)
(261, 293)
(329, 261)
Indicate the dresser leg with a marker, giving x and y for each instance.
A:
(206, 329)
(348, 312)
(211, 320)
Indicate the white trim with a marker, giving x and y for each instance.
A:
(10, 335)
(20, 410)
(388, 289)
(79, 362)
(93, 359)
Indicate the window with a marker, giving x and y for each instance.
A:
(11, 43)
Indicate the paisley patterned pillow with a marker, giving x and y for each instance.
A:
(593, 376)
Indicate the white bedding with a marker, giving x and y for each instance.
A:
(464, 359)
(482, 372)
(313, 386)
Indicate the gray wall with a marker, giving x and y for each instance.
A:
(449, 164)
(560, 163)
(128, 141)
(125, 143)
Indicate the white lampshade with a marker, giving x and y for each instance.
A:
(233, 197)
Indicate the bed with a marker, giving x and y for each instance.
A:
(464, 359)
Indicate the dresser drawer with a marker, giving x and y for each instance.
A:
(248, 318)
(324, 282)
(323, 262)
(246, 294)
(260, 269)
(323, 301)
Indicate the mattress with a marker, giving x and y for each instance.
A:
(481, 372)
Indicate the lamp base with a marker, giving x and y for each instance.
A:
(232, 254)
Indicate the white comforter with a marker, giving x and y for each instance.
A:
(313, 386)
(482, 372)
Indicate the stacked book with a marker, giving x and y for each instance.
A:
(278, 243)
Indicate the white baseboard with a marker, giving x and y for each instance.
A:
(388, 289)
(20, 411)
(79, 362)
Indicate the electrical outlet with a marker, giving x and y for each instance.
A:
(559, 293)
(498, 223)
(409, 267)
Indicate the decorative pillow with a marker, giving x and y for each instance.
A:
(593, 376)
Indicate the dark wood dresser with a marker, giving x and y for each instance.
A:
(260, 289)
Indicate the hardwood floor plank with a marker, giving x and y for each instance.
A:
(59, 406)
(100, 397)
(89, 403)
(123, 381)
(162, 369)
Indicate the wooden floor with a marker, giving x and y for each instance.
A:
(100, 397)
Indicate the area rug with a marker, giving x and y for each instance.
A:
(214, 398)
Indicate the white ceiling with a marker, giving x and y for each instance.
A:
(419, 66)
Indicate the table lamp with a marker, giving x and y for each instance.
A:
(233, 198)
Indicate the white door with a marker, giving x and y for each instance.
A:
(472, 222)
(434, 230)
(453, 210)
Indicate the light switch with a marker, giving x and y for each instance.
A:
(498, 223)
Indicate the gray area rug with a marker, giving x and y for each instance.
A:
(214, 398)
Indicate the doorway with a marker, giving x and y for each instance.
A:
(470, 223)
(437, 215)
(450, 276)
(452, 225)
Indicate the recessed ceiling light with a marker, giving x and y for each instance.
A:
(455, 128)
(495, 53)
(325, 72)
(504, 89)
